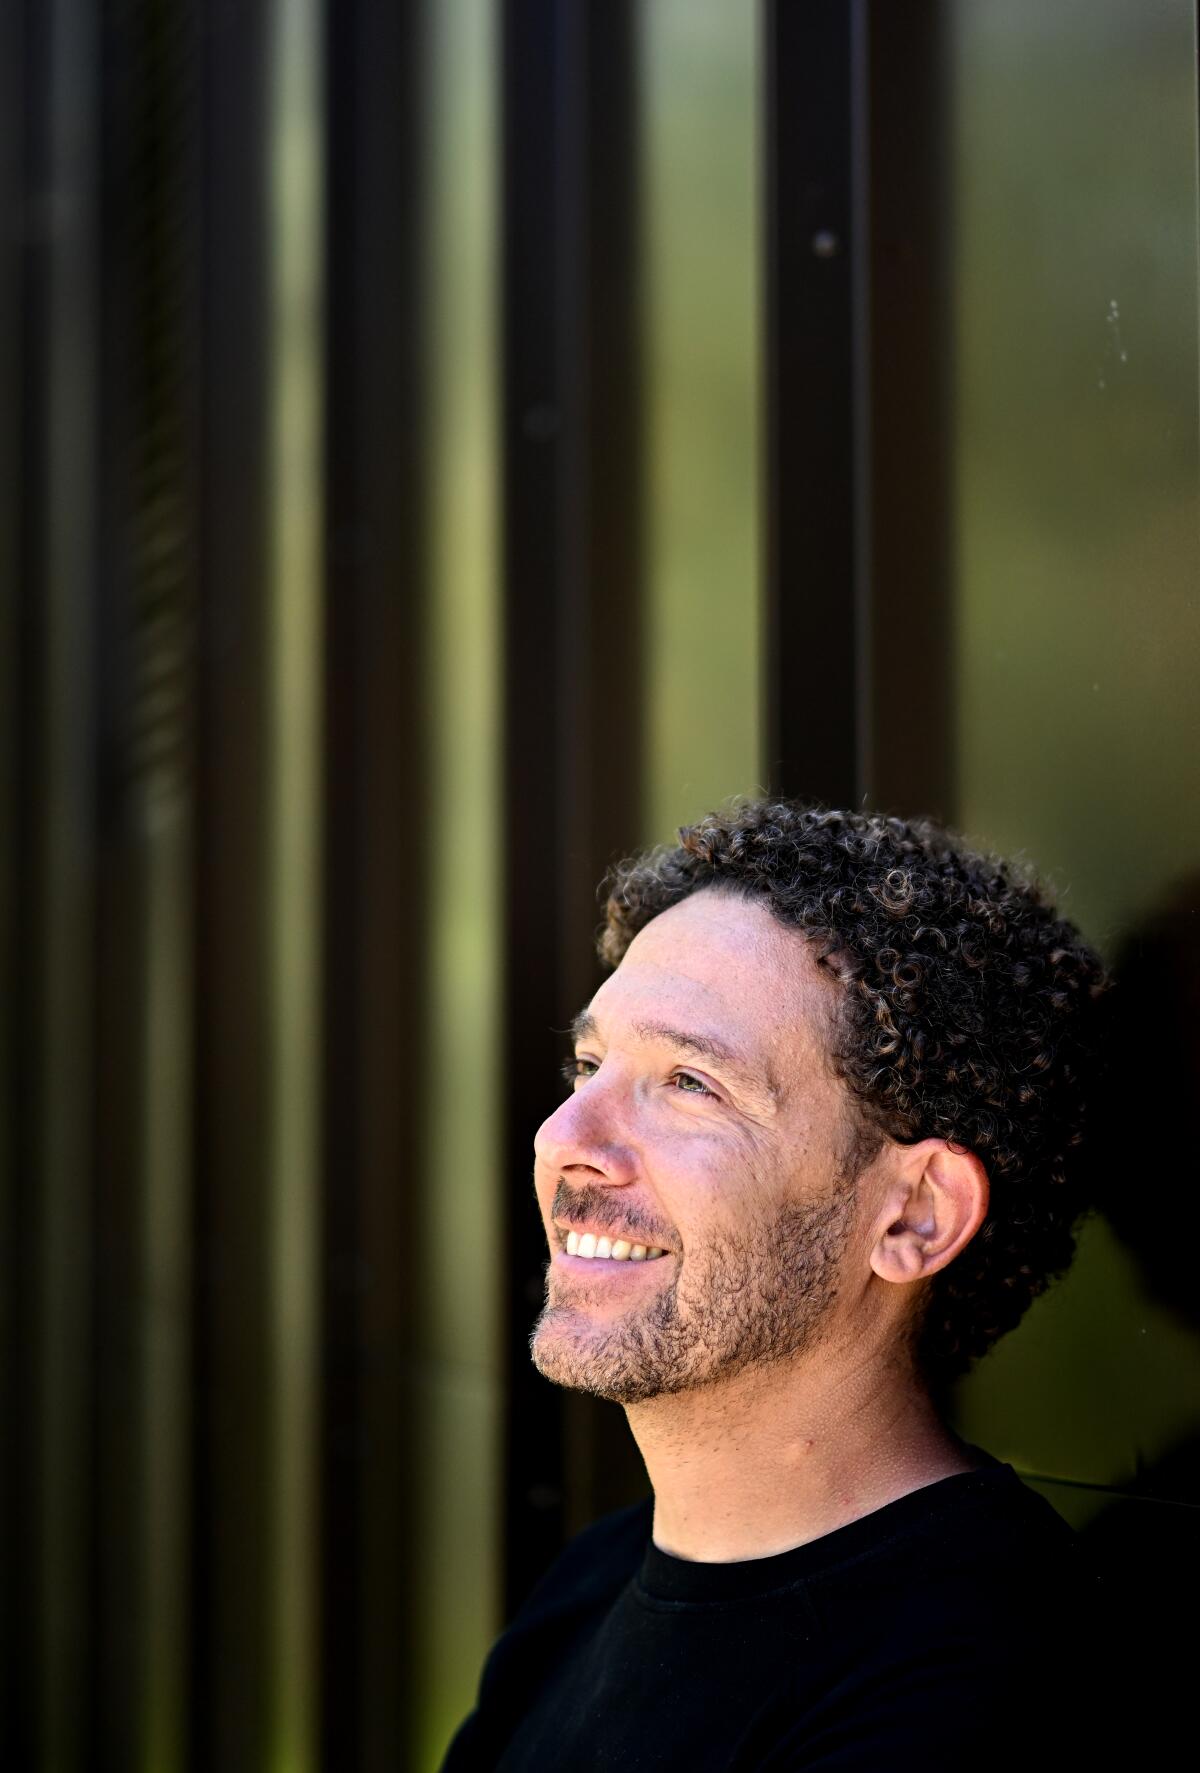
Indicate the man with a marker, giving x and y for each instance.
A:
(821, 1149)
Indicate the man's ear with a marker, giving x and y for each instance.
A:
(935, 1202)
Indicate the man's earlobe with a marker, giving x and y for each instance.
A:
(933, 1209)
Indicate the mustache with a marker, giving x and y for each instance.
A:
(594, 1206)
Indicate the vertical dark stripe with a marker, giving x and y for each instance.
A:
(231, 1626)
(856, 374)
(111, 1697)
(598, 339)
(601, 746)
(571, 552)
(814, 452)
(375, 844)
(532, 483)
(147, 550)
(24, 71)
(64, 837)
(909, 766)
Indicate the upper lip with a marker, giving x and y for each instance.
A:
(630, 1237)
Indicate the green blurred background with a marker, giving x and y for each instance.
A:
(168, 1540)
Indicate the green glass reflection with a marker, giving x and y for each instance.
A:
(293, 864)
(455, 1377)
(165, 1348)
(700, 205)
(1075, 300)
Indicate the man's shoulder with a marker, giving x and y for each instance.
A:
(599, 1560)
(973, 1624)
(994, 1499)
(985, 1592)
(984, 1534)
(994, 1523)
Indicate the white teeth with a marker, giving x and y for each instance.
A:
(610, 1249)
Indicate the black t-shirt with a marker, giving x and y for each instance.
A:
(955, 1628)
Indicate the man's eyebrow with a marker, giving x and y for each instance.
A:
(700, 1046)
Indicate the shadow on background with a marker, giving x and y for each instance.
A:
(1146, 1541)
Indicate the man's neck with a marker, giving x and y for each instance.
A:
(778, 1456)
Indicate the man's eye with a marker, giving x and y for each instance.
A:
(691, 1086)
(573, 1069)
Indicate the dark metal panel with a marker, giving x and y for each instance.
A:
(908, 755)
(812, 102)
(532, 482)
(24, 72)
(147, 547)
(111, 1699)
(600, 744)
(570, 573)
(231, 1621)
(375, 773)
(856, 371)
(61, 835)
(597, 524)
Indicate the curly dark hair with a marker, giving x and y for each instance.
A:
(971, 1012)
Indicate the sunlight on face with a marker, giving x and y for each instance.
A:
(704, 1120)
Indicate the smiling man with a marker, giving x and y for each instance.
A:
(822, 1147)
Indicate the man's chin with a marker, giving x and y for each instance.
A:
(564, 1352)
(580, 1357)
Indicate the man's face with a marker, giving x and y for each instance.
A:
(704, 1121)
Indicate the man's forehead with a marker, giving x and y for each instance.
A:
(722, 968)
(721, 941)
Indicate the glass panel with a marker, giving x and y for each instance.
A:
(456, 1378)
(1078, 627)
(294, 917)
(700, 130)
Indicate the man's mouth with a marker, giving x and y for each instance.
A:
(610, 1249)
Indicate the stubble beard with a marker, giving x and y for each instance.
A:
(752, 1300)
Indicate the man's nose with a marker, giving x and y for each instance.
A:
(587, 1131)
